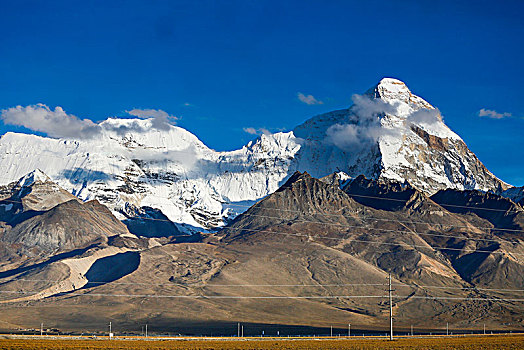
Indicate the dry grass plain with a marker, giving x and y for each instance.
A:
(462, 343)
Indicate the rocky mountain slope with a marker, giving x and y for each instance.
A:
(39, 215)
(135, 169)
(385, 225)
(310, 254)
(52, 238)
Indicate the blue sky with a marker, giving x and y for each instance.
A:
(222, 66)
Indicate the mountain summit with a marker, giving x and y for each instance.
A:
(393, 90)
(388, 133)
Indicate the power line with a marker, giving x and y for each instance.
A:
(354, 195)
(345, 239)
(309, 221)
(325, 214)
(374, 242)
(349, 194)
(280, 285)
(382, 219)
(378, 229)
(440, 204)
(214, 285)
(269, 296)
(91, 211)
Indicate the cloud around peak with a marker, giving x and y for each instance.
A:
(256, 131)
(59, 124)
(161, 119)
(54, 123)
(364, 126)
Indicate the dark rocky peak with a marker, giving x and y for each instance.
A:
(383, 194)
(433, 142)
(298, 180)
(307, 191)
(301, 198)
(339, 179)
(500, 211)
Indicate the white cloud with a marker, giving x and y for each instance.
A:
(425, 116)
(250, 130)
(256, 131)
(363, 127)
(187, 157)
(131, 127)
(309, 99)
(370, 108)
(57, 123)
(161, 119)
(493, 114)
(54, 123)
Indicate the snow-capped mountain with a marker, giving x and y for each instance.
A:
(388, 133)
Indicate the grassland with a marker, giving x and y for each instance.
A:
(487, 342)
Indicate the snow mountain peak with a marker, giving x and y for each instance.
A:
(394, 91)
(388, 133)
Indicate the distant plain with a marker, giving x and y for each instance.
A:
(475, 342)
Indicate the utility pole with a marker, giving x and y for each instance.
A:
(484, 329)
(447, 328)
(146, 330)
(390, 310)
(242, 331)
(349, 329)
(331, 333)
(238, 330)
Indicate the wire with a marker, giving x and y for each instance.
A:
(381, 219)
(212, 285)
(440, 204)
(372, 197)
(378, 229)
(353, 195)
(345, 239)
(270, 296)
(315, 222)
(279, 285)
(327, 214)
(378, 243)
(91, 211)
